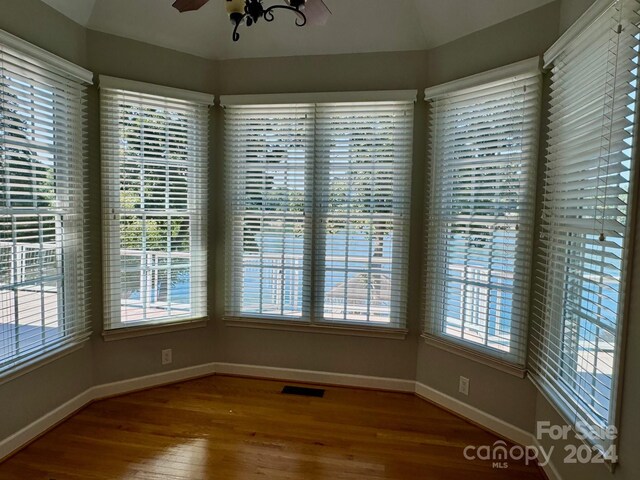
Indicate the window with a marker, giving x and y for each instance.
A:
(575, 339)
(268, 149)
(154, 164)
(484, 136)
(318, 208)
(363, 168)
(42, 150)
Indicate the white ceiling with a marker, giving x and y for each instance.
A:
(356, 26)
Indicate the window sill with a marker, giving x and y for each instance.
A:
(123, 333)
(42, 360)
(330, 329)
(479, 357)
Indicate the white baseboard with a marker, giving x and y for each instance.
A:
(309, 376)
(474, 414)
(30, 432)
(140, 383)
(34, 430)
(485, 420)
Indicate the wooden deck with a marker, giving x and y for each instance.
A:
(228, 428)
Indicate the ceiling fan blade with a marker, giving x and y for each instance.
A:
(188, 5)
(317, 12)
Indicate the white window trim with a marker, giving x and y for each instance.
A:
(497, 76)
(47, 59)
(593, 13)
(475, 355)
(44, 358)
(335, 328)
(158, 90)
(138, 330)
(322, 97)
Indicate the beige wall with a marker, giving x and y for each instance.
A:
(507, 397)
(571, 10)
(44, 27)
(517, 39)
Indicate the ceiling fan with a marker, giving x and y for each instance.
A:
(248, 12)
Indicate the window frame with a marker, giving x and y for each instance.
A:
(68, 82)
(310, 319)
(196, 104)
(555, 396)
(513, 363)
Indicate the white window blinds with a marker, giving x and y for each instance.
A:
(43, 287)
(269, 154)
(318, 210)
(483, 155)
(363, 169)
(154, 164)
(575, 339)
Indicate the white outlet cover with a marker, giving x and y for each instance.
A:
(463, 387)
(167, 356)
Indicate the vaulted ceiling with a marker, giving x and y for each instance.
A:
(356, 26)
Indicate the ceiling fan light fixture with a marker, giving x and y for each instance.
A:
(235, 6)
(248, 12)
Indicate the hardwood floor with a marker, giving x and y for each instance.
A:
(227, 428)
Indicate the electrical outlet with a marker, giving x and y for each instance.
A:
(167, 356)
(463, 386)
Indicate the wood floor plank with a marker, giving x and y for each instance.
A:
(232, 428)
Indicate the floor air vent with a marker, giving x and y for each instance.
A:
(302, 391)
